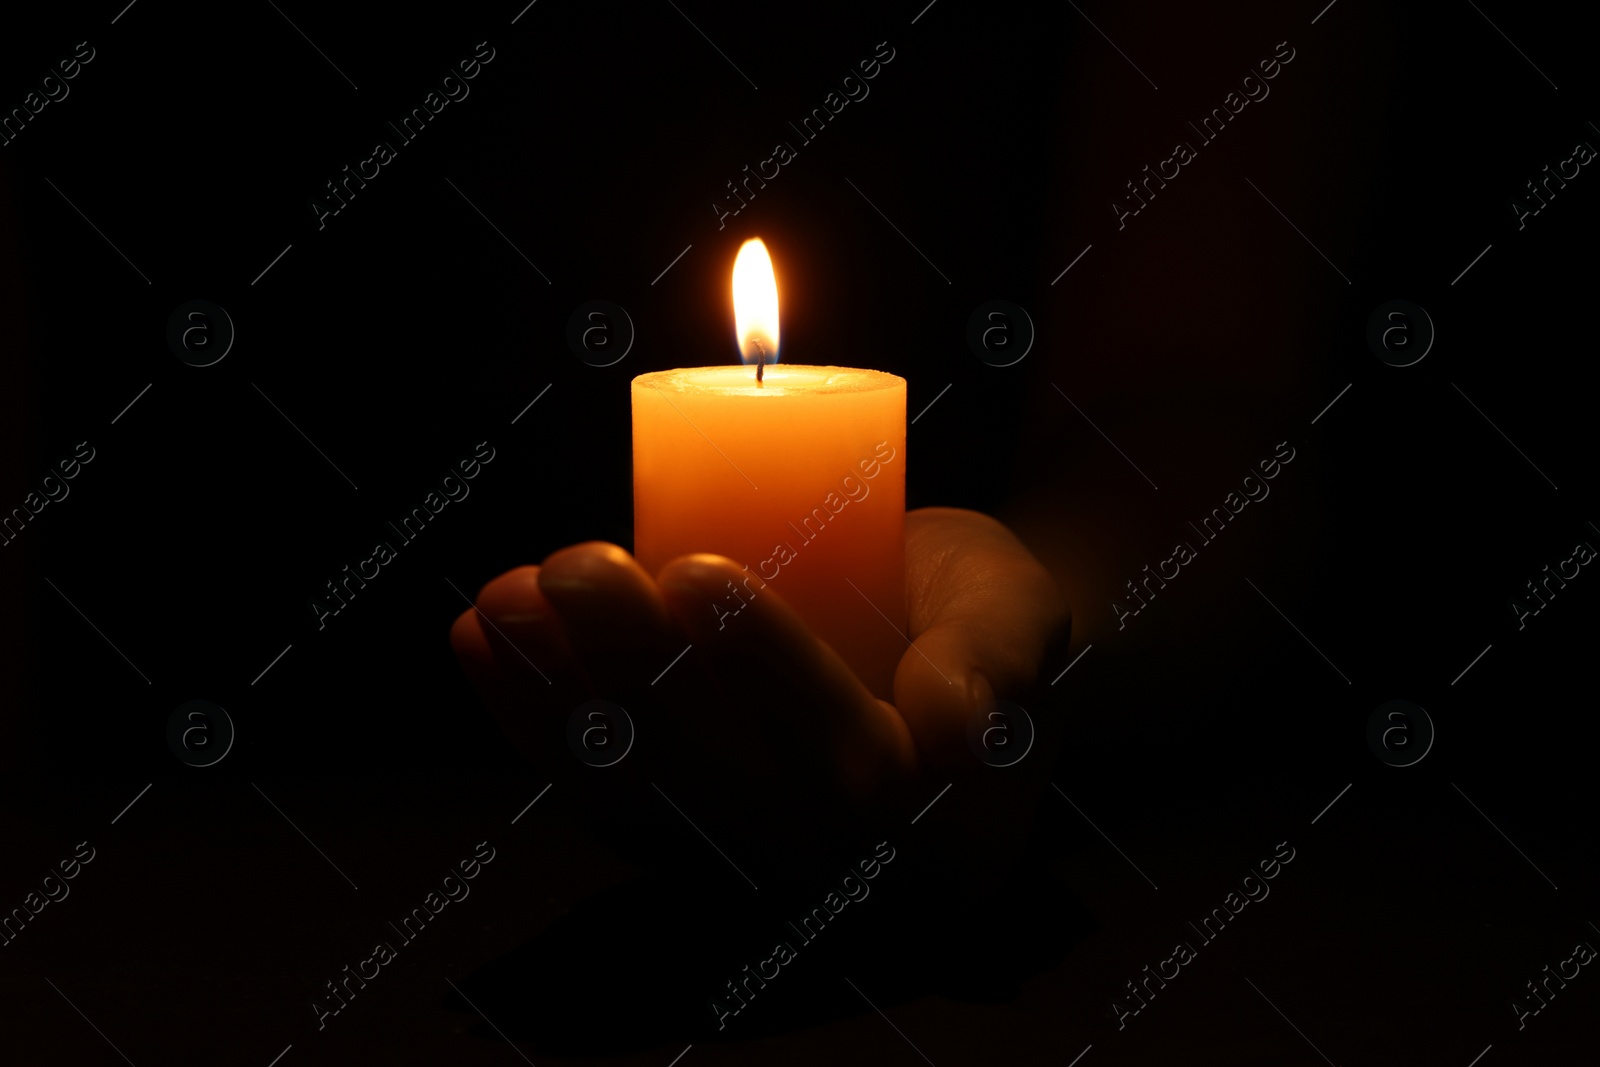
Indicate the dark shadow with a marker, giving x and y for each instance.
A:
(638, 965)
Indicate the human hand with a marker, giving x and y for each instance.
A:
(760, 735)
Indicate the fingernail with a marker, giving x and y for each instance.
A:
(564, 583)
(575, 599)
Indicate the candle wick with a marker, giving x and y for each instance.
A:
(761, 361)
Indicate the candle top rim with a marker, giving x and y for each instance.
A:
(780, 379)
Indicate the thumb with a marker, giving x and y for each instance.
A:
(984, 615)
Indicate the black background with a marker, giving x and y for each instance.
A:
(407, 329)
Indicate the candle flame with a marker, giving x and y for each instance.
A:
(755, 303)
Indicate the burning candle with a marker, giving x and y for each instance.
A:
(797, 473)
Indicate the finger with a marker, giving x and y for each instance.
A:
(500, 692)
(612, 613)
(616, 620)
(524, 631)
(512, 648)
(787, 684)
(984, 614)
(517, 656)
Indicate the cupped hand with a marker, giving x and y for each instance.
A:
(753, 728)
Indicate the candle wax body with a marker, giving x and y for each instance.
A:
(801, 480)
